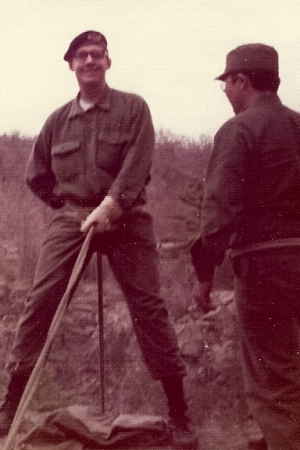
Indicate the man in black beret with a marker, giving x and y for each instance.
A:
(91, 162)
(252, 205)
(85, 38)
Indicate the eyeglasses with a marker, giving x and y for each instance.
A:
(230, 76)
(94, 54)
(223, 85)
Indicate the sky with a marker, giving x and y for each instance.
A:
(167, 51)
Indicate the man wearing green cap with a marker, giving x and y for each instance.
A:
(252, 205)
(91, 163)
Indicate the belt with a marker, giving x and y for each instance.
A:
(277, 243)
(74, 211)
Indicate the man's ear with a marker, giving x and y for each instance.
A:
(108, 62)
(242, 80)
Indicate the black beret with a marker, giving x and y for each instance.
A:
(86, 38)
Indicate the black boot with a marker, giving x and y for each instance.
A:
(258, 444)
(10, 404)
(179, 424)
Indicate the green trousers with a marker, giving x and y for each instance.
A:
(267, 288)
(131, 251)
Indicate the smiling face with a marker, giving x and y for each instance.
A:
(90, 63)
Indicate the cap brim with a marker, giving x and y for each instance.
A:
(222, 77)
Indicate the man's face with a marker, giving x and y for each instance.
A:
(90, 62)
(233, 88)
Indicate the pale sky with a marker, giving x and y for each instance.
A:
(167, 51)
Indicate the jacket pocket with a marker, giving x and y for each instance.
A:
(111, 151)
(66, 161)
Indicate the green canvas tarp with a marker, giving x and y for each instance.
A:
(81, 428)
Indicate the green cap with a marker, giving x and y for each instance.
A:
(251, 57)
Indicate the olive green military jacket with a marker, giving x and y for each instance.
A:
(82, 156)
(252, 187)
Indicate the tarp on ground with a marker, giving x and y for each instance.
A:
(81, 428)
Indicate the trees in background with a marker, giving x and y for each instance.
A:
(23, 217)
(174, 199)
(175, 190)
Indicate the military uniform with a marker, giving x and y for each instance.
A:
(252, 205)
(82, 157)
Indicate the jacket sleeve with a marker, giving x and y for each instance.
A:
(225, 193)
(39, 176)
(135, 170)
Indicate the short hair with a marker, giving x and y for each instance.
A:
(261, 80)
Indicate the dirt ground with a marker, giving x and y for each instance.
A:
(213, 367)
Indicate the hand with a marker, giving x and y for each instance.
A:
(102, 216)
(201, 293)
(98, 219)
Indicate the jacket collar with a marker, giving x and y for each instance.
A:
(266, 97)
(103, 103)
